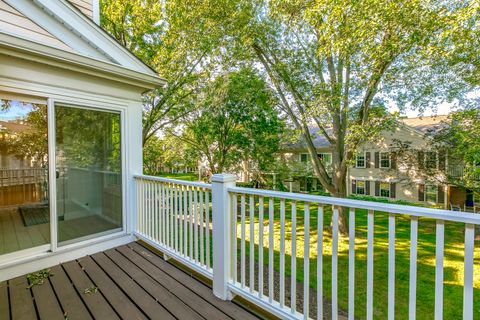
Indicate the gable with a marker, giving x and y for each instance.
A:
(15, 23)
(61, 24)
(85, 6)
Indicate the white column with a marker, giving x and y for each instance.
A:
(221, 216)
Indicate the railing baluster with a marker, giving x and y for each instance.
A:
(139, 199)
(335, 263)
(468, 272)
(180, 219)
(306, 263)
(190, 195)
(282, 253)
(293, 284)
(155, 212)
(412, 304)
(150, 199)
(351, 265)
(175, 217)
(270, 250)
(242, 238)
(195, 223)
(252, 243)
(185, 221)
(202, 226)
(391, 266)
(439, 248)
(260, 247)
(320, 263)
(234, 238)
(207, 223)
(370, 239)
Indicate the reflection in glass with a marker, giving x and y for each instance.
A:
(88, 162)
(24, 206)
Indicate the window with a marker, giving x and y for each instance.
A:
(385, 189)
(360, 187)
(303, 157)
(360, 163)
(431, 160)
(431, 193)
(384, 160)
(325, 157)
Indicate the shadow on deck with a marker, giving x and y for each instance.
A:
(128, 282)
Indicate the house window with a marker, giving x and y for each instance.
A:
(384, 160)
(304, 157)
(431, 160)
(325, 157)
(360, 161)
(431, 193)
(360, 187)
(385, 189)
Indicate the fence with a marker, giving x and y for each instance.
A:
(261, 238)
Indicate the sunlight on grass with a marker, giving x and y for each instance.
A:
(453, 260)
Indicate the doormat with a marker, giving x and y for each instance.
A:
(35, 214)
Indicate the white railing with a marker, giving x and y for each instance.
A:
(175, 216)
(265, 241)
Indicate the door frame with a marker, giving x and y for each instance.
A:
(88, 105)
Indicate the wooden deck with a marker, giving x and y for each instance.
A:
(128, 282)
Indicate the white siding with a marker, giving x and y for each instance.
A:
(85, 6)
(15, 23)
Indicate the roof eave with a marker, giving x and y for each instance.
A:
(33, 51)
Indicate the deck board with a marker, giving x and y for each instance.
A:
(68, 297)
(132, 283)
(233, 310)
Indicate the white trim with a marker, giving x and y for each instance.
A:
(364, 160)
(96, 11)
(52, 174)
(44, 260)
(389, 154)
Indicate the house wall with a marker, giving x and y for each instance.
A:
(15, 23)
(85, 6)
(40, 81)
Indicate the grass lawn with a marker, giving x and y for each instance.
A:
(180, 176)
(453, 262)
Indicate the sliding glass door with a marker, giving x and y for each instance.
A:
(24, 202)
(88, 173)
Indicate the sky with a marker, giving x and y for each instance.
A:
(15, 111)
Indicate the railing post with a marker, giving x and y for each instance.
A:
(222, 233)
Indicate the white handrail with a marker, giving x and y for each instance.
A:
(180, 182)
(448, 215)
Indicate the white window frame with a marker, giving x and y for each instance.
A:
(429, 192)
(364, 153)
(364, 187)
(388, 159)
(383, 189)
(300, 157)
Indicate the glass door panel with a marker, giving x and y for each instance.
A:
(24, 203)
(89, 173)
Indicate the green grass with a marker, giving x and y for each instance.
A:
(180, 176)
(453, 262)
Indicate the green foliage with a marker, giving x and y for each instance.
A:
(460, 139)
(235, 121)
(38, 278)
(384, 200)
(164, 153)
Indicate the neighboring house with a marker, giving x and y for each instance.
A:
(377, 171)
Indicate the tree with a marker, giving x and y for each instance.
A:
(338, 64)
(235, 121)
(174, 41)
(459, 138)
(164, 153)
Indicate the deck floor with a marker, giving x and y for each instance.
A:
(128, 282)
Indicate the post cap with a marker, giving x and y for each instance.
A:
(224, 177)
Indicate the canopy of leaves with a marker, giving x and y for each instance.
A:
(235, 120)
